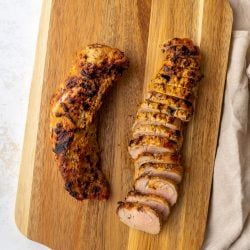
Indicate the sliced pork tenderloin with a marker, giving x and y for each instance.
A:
(161, 131)
(140, 217)
(172, 90)
(154, 201)
(158, 107)
(169, 71)
(151, 144)
(172, 172)
(167, 158)
(158, 136)
(157, 119)
(173, 80)
(192, 63)
(159, 186)
(149, 106)
(172, 102)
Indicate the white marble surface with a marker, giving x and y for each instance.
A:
(18, 33)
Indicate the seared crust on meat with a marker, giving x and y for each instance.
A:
(178, 41)
(181, 50)
(78, 161)
(73, 111)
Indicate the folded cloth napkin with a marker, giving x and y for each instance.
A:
(229, 220)
(228, 224)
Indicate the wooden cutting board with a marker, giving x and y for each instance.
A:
(44, 211)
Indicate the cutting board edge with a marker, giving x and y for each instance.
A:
(24, 188)
(229, 11)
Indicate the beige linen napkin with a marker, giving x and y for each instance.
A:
(230, 202)
(229, 216)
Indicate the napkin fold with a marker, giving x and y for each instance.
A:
(228, 224)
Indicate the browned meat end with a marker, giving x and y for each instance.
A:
(192, 63)
(140, 217)
(182, 50)
(178, 41)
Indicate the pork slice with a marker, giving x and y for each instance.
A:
(182, 82)
(140, 217)
(172, 90)
(192, 63)
(154, 201)
(172, 172)
(156, 118)
(167, 104)
(167, 158)
(152, 144)
(171, 102)
(161, 131)
(150, 106)
(180, 72)
(159, 186)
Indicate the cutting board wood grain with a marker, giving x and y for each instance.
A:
(44, 211)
